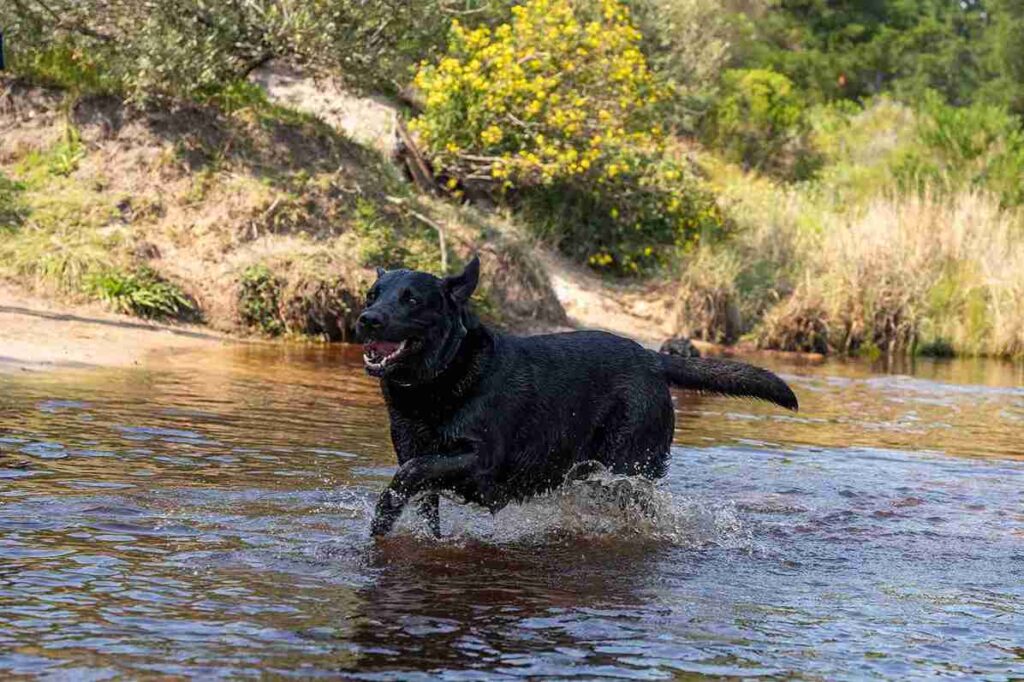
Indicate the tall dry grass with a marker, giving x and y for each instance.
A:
(812, 268)
(909, 272)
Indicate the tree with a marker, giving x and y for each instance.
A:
(850, 49)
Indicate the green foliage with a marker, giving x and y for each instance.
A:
(979, 146)
(758, 120)
(688, 43)
(64, 157)
(61, 159)
(259, 300)
(12, 210)
(854, 49)
(192, 47)
(70, 66)
(143, 293)
(886, 147)
(859, 146)
(629, 226)
(378, 241)
(1005, 58)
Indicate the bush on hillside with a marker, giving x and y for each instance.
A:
(192, 48)
(688, 43)
(758, 120)
(965, 148)
(557, 112)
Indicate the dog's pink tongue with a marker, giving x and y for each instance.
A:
(383, 347)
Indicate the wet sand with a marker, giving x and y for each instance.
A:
(37, 334)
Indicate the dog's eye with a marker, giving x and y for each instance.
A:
(408, 298)
(371, 296)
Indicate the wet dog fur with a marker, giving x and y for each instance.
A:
(491, 418)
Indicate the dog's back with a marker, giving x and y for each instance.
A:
(579, 396)
(592, 396)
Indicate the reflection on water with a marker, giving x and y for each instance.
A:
(209, 517)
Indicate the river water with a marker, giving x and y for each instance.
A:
(208, 516)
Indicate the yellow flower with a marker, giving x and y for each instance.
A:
(491, 135)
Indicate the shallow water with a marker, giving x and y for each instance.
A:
(209, 517)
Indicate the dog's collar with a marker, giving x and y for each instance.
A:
(454, 342)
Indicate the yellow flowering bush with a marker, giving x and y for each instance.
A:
(556, 111)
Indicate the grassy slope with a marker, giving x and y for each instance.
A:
(253, 215)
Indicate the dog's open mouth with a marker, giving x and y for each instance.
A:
(379, 354)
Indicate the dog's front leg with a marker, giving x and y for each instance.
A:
(420, 474)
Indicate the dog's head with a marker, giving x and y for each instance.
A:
(414, 322)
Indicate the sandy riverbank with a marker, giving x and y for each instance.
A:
(37, 334)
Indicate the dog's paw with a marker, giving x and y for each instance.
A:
(389, 508)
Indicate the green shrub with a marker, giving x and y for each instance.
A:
(627, 226)
(688, 43)
(958, 148)
(70, 65)
(860, 147)
(378, 243)
(192, 47)
(12, 210)
(259, 300)
(759, 121)
(143, 293)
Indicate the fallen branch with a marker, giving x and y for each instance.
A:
(418, 167)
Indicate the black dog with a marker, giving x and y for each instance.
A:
(495, 418)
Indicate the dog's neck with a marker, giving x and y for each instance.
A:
(466, 350)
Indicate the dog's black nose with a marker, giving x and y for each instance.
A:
(370, 321)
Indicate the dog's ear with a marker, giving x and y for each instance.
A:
(462, 286)
(380, 272)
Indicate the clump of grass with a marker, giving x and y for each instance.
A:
(12, 209)
(908, 272)
(707, 306)
(800, 323)
(60, 259)
(259, 300)
(144, 293)
(305, 290)
(61, 159)
(378, 238)
(56, 239)
(65, 155)
(68, 67)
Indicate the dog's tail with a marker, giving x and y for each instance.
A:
(711, 375)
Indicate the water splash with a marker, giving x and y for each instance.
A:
(602, 506)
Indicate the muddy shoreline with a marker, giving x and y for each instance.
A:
(43, 334)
